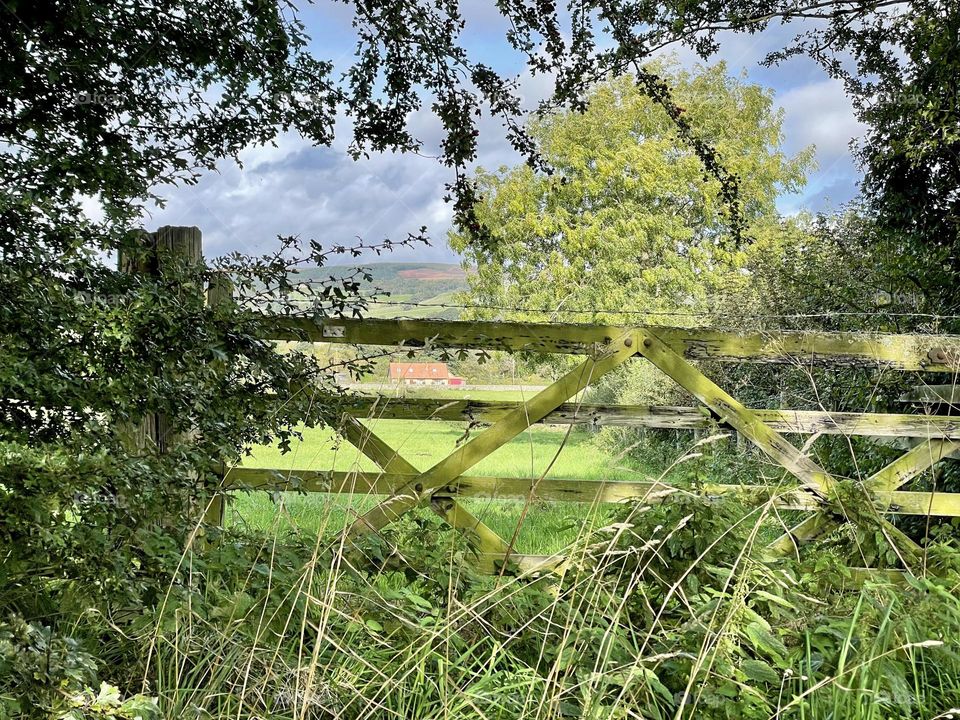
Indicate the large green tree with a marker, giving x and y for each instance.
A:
(629, 221)
(898, 60)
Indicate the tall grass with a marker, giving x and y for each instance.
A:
(308, 643)
(662, 611)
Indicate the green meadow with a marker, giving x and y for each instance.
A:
(540, 451)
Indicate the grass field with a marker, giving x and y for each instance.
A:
(541, 450)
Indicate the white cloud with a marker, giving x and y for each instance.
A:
(91, 207)
(320, 193)
(315, 193)
(820, 114)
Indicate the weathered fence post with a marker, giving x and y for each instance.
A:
(168, 245)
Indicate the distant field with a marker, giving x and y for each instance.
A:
(548, 527)
(407, 286)
(418, 308)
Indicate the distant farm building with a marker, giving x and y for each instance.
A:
(423, 374)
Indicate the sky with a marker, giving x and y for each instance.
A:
(321, 193)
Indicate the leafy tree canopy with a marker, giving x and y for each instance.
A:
(110, 100)
(627, 221)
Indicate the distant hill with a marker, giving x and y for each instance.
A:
(410, 284)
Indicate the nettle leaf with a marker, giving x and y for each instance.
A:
(766, 643)
(759, 671)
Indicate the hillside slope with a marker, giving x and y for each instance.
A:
(410, 284)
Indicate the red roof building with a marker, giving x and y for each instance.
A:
(420, 373)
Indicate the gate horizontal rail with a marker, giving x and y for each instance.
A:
(939, 353)
(803, 422)
(806, 486)
(572, 490)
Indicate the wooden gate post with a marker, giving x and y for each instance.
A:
(169, 244)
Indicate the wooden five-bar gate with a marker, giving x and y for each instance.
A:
(674, 351)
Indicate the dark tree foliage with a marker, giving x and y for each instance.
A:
(111, 99)
(911, 153)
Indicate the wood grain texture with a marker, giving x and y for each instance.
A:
(867, 350)
(804, 422)
(733, 412)
(371, 445)
(573, 490)
(480, 446)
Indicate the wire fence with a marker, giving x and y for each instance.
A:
(553, 312)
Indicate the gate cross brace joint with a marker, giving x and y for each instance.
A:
(432, 486)
(814, 479)
(428, 486)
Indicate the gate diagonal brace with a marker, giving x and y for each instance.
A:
(390, 461)
(431, 482)
(892, 477)
(814, 479)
